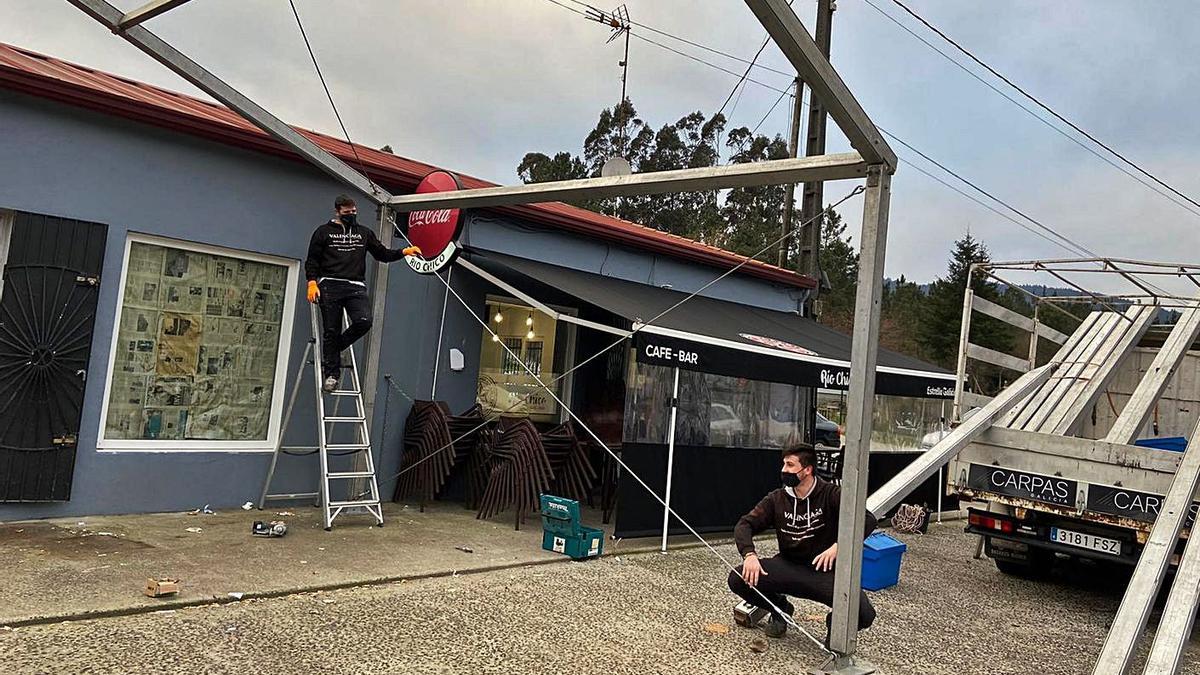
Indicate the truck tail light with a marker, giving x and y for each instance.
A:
(987, 522)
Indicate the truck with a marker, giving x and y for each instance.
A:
(1080, 467)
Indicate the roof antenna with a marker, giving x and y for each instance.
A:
(618, 21)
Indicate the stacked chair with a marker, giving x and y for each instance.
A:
(518, 470)
(568, 455)
(428, 459)
(508, 464)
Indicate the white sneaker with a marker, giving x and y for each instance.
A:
(330, 384)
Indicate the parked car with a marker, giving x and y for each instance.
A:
(827, 432)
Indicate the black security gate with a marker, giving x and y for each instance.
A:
(47, 312)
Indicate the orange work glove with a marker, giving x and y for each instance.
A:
(412, 250)
(314, 293)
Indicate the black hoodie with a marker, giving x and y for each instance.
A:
(804, 527)
(340, 252)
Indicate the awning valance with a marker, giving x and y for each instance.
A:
(717, 336)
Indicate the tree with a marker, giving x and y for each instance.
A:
(752, 217)
(839, 262)
(942, 322)
(536, 167)
(689, 142)
(903, 312)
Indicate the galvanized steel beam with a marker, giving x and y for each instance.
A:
(996, 358)
(1127, 627)
(860, 403)
(1175, 625)
(146, 12)
(773, 172)
(1141, 403)
(928, 463)
(172, 58)
(789, 33)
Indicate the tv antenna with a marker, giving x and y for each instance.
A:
(618, 21)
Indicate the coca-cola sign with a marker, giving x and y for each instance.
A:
(435, 232)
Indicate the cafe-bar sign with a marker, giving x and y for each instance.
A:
(436, 232)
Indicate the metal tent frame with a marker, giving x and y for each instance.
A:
(1041, 414)
(872, 158)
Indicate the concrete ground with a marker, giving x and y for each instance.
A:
(70, 568)
(624, 613)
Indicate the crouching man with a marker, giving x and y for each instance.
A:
(804, 513)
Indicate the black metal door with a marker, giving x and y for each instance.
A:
(47, 312)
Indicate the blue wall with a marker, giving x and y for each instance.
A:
(67, 162)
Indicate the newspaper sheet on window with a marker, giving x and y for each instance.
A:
(196, 346)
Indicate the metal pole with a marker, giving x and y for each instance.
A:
(370, 381)
(847, 583)
(670, 459)
(1119, 646)
(287, 418)
(1033, 335)
(789, 191)
(148, 11)
(172, 58)
(814, 191)
(437, 359)
(941, 488)
(964, 338)
(941, 480)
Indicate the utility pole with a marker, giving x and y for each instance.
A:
(814, 192)
(789, 191)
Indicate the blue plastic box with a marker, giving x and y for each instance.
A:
(881, 561)
(1172, 443)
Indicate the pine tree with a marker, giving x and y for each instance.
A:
(939, 330)
(839, 262)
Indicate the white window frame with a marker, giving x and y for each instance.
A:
(122, 445)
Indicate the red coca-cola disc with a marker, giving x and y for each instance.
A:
(436, 231)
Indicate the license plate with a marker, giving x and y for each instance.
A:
(1084, 540)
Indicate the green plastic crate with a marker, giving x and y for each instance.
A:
(563, 533)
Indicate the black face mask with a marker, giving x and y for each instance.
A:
(789, 479)
(348, 219)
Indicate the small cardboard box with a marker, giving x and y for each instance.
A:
(157, 588)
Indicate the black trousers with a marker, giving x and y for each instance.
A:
(784, 577)
(336, 297)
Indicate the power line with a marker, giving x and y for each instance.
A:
(702, 61)
(741, 77)
(772, 109)
(361, 167)
(1043, 106)
(1046, 232)
(688, 42)
(1031, 113)
(1010, 207)
(746, 74)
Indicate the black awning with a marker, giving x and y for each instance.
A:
(722, 337)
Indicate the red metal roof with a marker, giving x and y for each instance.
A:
(47, 77)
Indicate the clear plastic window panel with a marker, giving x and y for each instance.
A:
(715, 410)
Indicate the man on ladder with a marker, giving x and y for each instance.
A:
(336, 271)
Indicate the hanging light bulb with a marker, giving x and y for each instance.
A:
(495, 338)
(529, 319)
(499, 317)
(529, 335)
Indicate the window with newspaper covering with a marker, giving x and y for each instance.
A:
(197, 353)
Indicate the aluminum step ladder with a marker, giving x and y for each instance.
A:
(331, 442)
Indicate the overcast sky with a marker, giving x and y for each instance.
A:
(472, 85)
